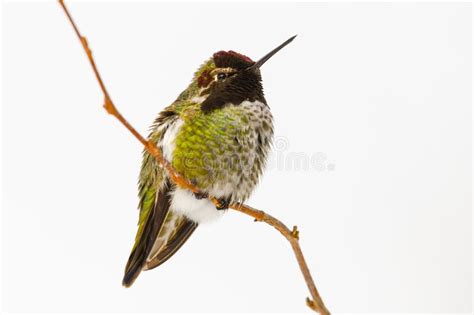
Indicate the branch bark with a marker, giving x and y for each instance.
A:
(316, 303)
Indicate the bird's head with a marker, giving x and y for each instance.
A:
(228, 78)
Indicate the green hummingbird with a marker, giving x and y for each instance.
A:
(217, 134)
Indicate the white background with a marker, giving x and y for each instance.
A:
(383, 91)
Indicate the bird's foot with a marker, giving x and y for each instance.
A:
(223, 203)
(201, 195)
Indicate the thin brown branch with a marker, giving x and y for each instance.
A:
(292, 236)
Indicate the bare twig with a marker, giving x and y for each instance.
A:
(292, 236)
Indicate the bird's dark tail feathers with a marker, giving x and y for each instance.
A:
(147, 237)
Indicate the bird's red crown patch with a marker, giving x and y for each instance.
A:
(232, 59)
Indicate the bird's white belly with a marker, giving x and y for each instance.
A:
(184, 202)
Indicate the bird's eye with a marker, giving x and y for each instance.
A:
(221, 76)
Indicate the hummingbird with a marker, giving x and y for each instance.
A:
(217, 134)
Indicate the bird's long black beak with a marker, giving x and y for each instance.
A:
(262, 60)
